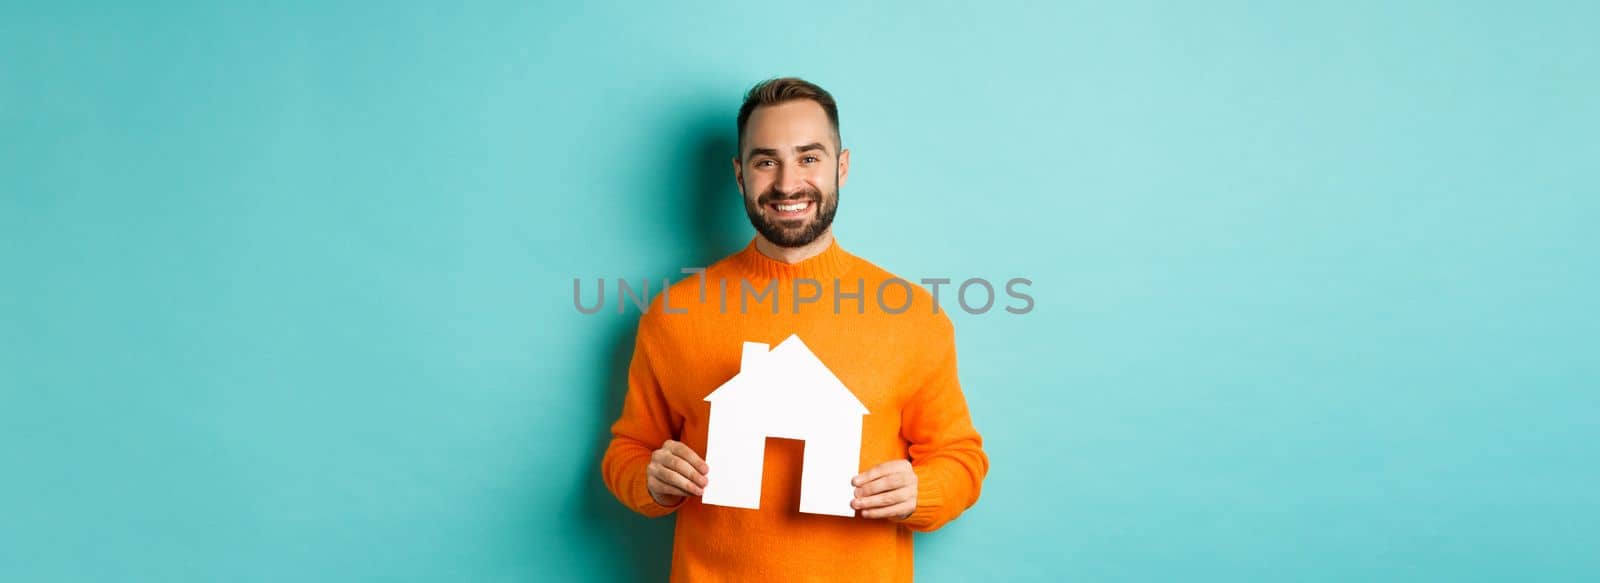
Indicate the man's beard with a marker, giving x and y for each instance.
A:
(795, 235)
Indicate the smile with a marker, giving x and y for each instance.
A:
(792, 209)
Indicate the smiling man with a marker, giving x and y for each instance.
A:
(922, 460)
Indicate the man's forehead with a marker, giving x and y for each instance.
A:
(788, 127)
(798, 109)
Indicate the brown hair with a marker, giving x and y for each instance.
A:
(782, 90)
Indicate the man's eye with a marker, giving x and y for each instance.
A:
(764, 163)
(810, 158)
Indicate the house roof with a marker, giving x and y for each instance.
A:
(785, 374)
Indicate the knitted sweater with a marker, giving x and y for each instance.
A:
(895, 353)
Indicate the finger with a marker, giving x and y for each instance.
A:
(867, 476)
(664, 489)
(896, 511)
(667, 459)
(683, 450)
(883, 484)
(884, 499)
(880, 471)
(674, 479)
(681, 466)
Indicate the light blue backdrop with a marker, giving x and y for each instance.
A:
(287, 287)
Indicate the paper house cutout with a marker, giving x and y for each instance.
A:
(785, 392)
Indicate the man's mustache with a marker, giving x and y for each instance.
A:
(772, 197)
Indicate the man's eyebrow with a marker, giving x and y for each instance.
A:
(774, 151)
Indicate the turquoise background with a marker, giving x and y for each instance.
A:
(287, 286)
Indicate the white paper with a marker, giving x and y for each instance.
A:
(784, 392)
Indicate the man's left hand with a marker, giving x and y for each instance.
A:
(888, 490)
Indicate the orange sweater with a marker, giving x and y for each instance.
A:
(902, 366)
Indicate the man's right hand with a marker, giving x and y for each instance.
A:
(675, 471)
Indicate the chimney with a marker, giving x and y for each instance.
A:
(754, 353)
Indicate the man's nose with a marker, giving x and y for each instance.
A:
(790, 183)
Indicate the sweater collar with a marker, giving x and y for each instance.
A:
(831, 262)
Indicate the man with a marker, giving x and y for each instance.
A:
(884, 339)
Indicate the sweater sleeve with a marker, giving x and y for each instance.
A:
(645, 424)
(946, 450)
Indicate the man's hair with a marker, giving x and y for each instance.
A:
(783, 90)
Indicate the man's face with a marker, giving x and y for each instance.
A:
(790, 172)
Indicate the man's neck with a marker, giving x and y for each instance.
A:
(794, 255)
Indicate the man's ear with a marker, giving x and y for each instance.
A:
(738, 174)
(844, 166)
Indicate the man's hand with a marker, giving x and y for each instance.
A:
(886, 491)
(675, 471)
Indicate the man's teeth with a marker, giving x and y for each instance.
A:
(789, 208)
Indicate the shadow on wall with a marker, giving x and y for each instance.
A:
(713, 227)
